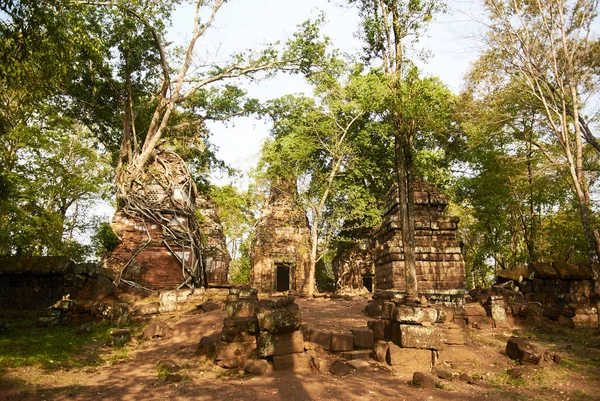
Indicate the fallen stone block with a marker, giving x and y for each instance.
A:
(365, 355)
(320, 337)
(314, 358)
(408, 357)
(420, 337)
(285, 301)
(257, 366)
(380, 328)
(585, 320)
(278, 320)
(248, 293)
(423, 380)
(239, 329)
(229, 351)
(270, 344)
(207, 347)
(118, 338)
(442, 373)
(147, 309)
(414, 315)
(380, 348)
(359, 364)
(445, 314)
(232, 363)
(168, 365)
(340, 368)
(387, 310)
(363, 338)
(241, 308)
(156, 330)
(209, 306)
(522, 351)
(296, 362)
(341, 341)
(474, 309)
(373, 310)
(174, 378)
(480, 322)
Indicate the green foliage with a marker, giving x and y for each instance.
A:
(240, 269)
(49, 348)
(400, 19)
(105, 238)
(324, 276)
(162, 372)
(516, 204)
(531, 174)
(237, 212)
(54, 177)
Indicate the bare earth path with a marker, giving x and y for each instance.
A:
(131, 373)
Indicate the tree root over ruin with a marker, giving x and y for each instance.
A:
(164, 193)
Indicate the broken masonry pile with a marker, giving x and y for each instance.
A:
(261, 329)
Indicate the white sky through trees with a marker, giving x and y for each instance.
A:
(453, 41)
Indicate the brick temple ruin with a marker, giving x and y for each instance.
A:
(281, 246)
(439, 261)
(561, 292)
(155, 267)
(353, 267)
(146, 257)
(215, 253)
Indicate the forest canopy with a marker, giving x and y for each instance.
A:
(92, 92)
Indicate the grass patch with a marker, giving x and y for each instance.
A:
(118, 356)
(504, 378)
(162, 372)
(442, 386)
(48, 347)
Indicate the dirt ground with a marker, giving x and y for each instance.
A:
(131, 373)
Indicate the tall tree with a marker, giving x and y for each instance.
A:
(388, 27)
(50, 165)
(186, 86)
(548, 49)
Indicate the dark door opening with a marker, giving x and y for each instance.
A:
(283, 277)
(368, 283)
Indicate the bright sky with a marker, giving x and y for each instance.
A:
(453, 39)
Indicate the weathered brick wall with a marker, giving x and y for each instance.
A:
(553, 283)
(282, 236)
(215, 254)
(439, 262)
(153, 267)
(36, 283)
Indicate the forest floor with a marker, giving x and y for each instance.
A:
(33, 367)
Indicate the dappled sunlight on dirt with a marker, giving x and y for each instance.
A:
(131, 373)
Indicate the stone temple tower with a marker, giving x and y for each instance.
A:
(282, 242)
(439, 261)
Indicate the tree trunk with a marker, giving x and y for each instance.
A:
(312, 267)
(530, 237)
(404, 169)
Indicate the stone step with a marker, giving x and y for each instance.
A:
(365, 355)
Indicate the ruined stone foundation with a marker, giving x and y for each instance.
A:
(439, 262)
